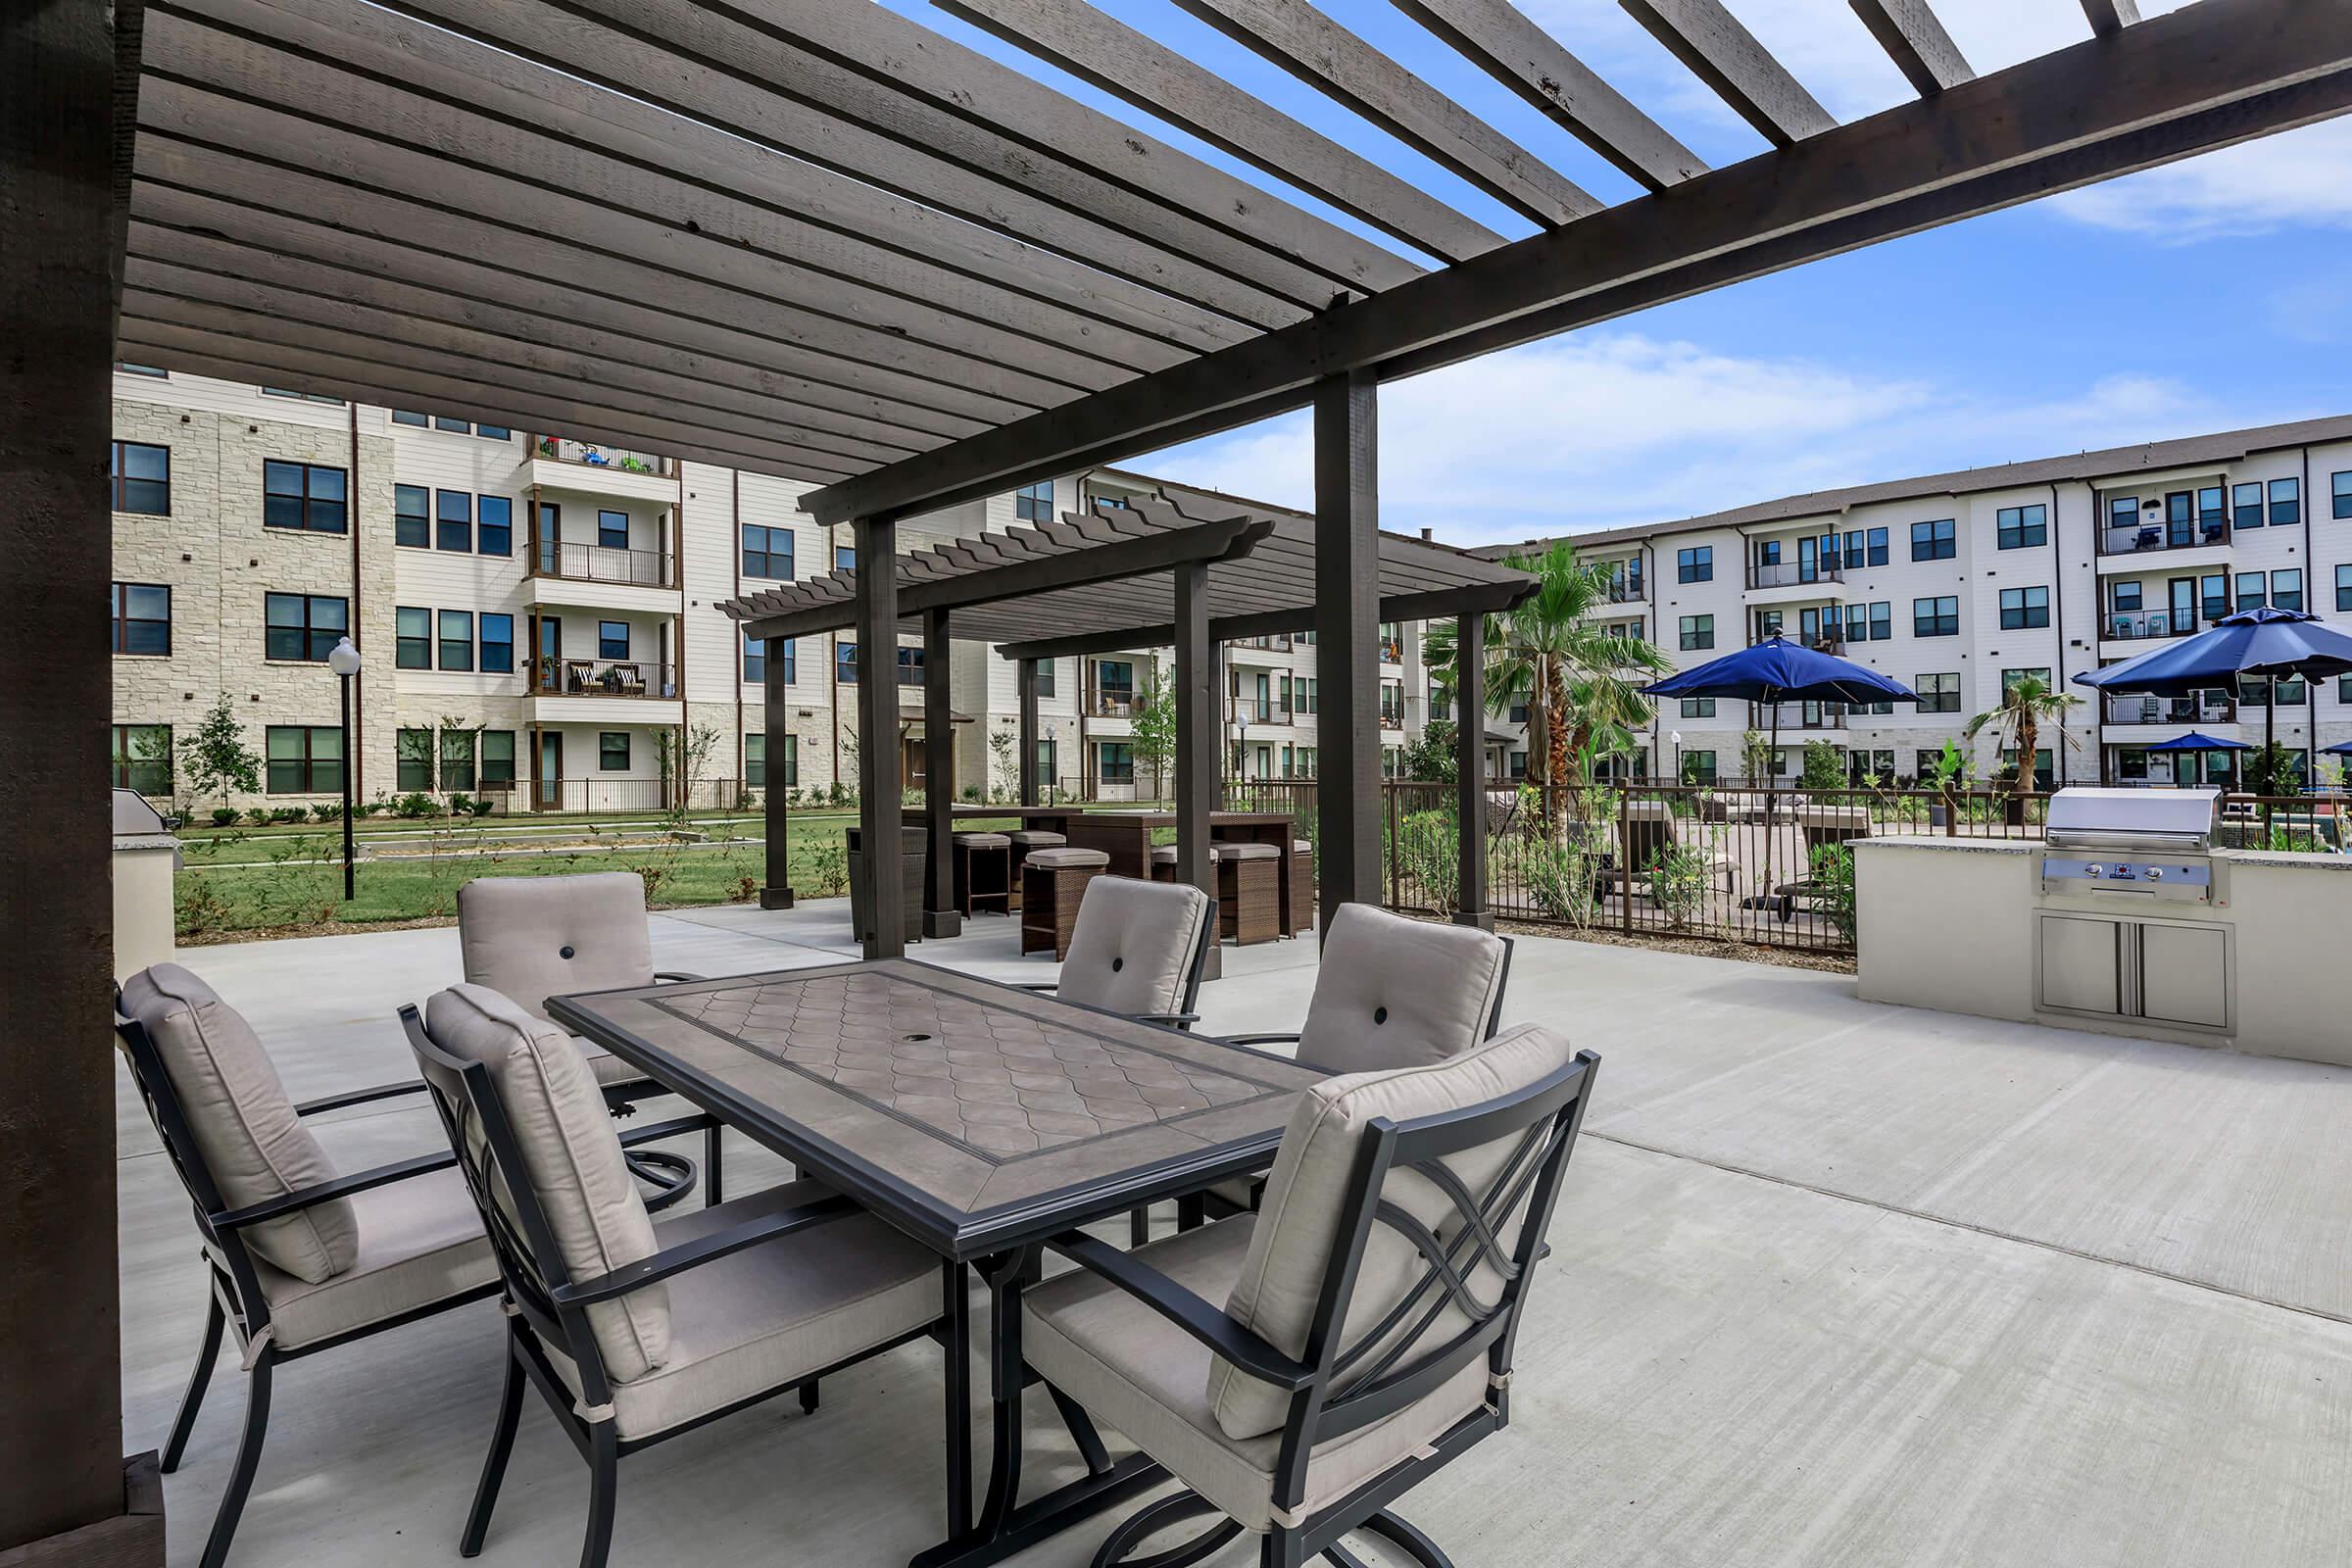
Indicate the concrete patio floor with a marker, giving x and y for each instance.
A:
(1833, 1284)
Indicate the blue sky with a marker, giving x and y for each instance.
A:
(2207, 295)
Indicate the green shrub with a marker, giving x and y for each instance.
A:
(1825, 767)
(290, 815)
(1679, 879)
(414, 803)
(225, 815)
(326, 813)
(1833, 872)
(1564, 882)
(461, 804)
(1428, 851)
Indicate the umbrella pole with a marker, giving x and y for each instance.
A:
(2270, 740)
(1772, 794)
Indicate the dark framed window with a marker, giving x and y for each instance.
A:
(792, 761)
(1882, 620)
(612, 750)
(2245, 506)
(2213, 592)
(910, 667)
(1934, 541)
(402, 416)
(142, 617)
(303, 627)
(457, 759)
(498, 757)
(1877, 547)
(457, 640)
(302, 397)
(2253, 590)
(1698, 631)
(1699, 767)
(754, 660)
(303, 496)
(2122, 511)
(140, 479)
(129, 368)
(792, 661)
(612, 639)
(766, 551)
(411, 516)
(2343, 587)
(612, 530)
(142, 758)
(304, 758)
(498, 643)
(1694, 565)
(412, 638)
(2023, 607)
(1936, 617)
(2211, 514)
(2286, 589)
(845, 557)
(1938, 693)
(1115, 762)
(845, 663)
(497, 534)
(2341, 488)
(493, 432)
(2286, 502)
(2010, 677)
(1044, 676)
(2022, 528)
(754, 762)
(442, 421)
(1698, 708)
(2127, 597)
(453, 519)
(416, 752)
(1034, 503)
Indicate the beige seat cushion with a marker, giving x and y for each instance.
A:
(573, 1157)
(1132, 1368)
(607, 1070)
(1399, 993)
(1301, 1211)
(536, 937)
(420, 1242)
(1066, 860)
(982, 841)
(1037, 839)
(242, 1121)
(770, 1315)
(1132, 951)
(1230, 851)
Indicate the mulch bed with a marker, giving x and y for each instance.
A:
(1704, 947)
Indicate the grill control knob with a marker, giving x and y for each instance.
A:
(2155, 873)
(2094, 870)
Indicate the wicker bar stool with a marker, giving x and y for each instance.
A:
(983, 872)
(1248, 893)
(1299, 897)
(1052, 881)
(1024, 841)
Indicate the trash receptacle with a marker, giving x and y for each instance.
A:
(861, 922)
(145, 864)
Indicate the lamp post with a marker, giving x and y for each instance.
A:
(344, 661)
(1678, 756)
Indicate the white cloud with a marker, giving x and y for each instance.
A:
(2300, 177)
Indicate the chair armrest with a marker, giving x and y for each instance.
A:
(329, 1192)
(701, 1250)
(359, 1097)
(1260, 1040)
(664, 975)
(1036, 985)
(1175, 1019)
(676, 1127)
(1203, 1322)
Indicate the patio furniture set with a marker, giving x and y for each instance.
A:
(1340, 1329)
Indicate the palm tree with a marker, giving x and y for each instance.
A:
(2026, 703)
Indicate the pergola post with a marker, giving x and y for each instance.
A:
(940, 918)
(1027, 679)
(1470, 768)
(1197, 743)
(1347, 639)
(880, 813)
(775, 697)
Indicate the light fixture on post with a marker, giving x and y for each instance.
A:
(1678, 756)
(344, 661)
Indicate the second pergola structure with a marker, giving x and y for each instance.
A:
(1186, 572)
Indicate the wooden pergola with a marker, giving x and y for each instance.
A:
(817, 239)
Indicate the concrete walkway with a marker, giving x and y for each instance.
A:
(1835, 1283)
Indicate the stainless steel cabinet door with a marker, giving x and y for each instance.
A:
(2080, 964)
(2185, 974)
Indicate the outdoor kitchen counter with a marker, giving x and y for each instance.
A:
(1953, 924)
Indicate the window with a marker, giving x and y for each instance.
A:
(142, 758)
(141, 478)
(2286, 589)
(1044, 676)
(1696, 564)
(498, 757)
(612, 639)
(1938, 617)
(302, 495)
(443, 422)
(498, 526)
(910, 667)
(498, 643)
(754, 660)
(2023, 607)
(1933, 541)
(142, 617)
(417, 420)
(845, 557)
(1698, 708)
(305, 627)
(415, 748)
(457, 759)
(612, 750)
(457, 639)
(1046, 760)
(2343, 587)
(2010, 677)
(301, 397)
(2022, 527)
(2252, 589)
(493, 432)
(2245, 506)
(2341, 486)
(1938, 693)
(1115, 762)
(766, 551)
(2122, 511)
(2214, 592)
(453, 515)
(845, 663)
(1877, 547)
(1698, 631)
(1034, 503)
(1699, 767)
(1882, 620)
(2211, 515)
(792, 661)
(129, 368)
(754, 761)
(2126, 596)
(411, 523)
(612, 530)
(1304, 689)
(412, 641)
(304, 758)
(2045, 764)
(2286, 502)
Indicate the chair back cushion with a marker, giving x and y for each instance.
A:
(243, 1124)
(1132, 951)
(572, 1158)
(536, 937)
(1399, 993)
(1305, 1203)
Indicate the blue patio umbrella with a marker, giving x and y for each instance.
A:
(2199, 740)
(2339, 749)
(2262, 641)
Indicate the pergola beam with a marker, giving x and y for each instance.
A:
(2205, 76)
(1436, 605)
(881, 832)
(1915, 39)
(2110, 16)
(1735, 66)
(1347, 637)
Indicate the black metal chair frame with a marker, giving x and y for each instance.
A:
(670, 1176)
(1337, 1387)
(1184, 1017)
(545, 1306)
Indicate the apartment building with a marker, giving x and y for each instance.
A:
(1956, 583)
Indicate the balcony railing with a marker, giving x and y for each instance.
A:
(2150, 537)
(2208, 708)
(603, 677)
(595, 454)
(1792, 573)
(2143, 624)
(1278, 643)
(1627, 593)
(1797, 716)
(1114, 703)
(1258, 710)
(578, 562)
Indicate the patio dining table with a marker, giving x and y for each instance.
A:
(980, 1119)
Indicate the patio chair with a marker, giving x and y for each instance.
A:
(530, 938)
(1138, 950)
(300, 1257)
(634, 1332)
(1650, 830)
(1300, 1369)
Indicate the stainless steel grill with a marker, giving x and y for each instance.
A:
(2144, 843)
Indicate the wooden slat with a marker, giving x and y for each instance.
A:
(1915, 39)
(1497, 38)
(2110, 16)
(1742, 73)
(2196, 79)
(1109, 54)
(1318, 51)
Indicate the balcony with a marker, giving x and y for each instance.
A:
(603, 678)
(561, 463)
(1793, 574)
(2154, 538)
(1112, 702)
(594, 455)
(2209, 708)
(1257, 710)
(1278, 643)
(2143, 625)
(564, 572)
(1795, 717)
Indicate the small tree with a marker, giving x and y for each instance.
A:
(1154, 724)
(1755, 757)
(1825, 768)
(1432, 756)
(2027, 704)
(220, 761)
(1001, 744)
(683, 757)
